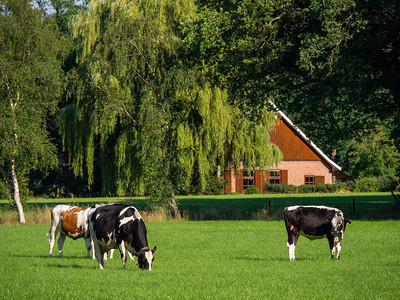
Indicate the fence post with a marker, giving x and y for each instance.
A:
(269, 207)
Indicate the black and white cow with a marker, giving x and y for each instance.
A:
(120, 226)
(315, 222)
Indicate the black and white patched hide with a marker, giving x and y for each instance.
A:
(120, 226)
(314, 222)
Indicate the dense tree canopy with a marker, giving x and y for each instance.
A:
(166, 93)
(30, 85)
(147, 115)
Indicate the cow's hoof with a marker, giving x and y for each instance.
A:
(50, 255)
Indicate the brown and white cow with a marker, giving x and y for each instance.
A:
(69, 221)
(315, 222)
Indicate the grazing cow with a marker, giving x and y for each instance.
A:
(70, 221)
(314, 222)
(118, 226)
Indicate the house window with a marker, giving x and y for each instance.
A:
(274, 177)
(309, 180)
(248, 179)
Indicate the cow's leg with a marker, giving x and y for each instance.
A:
(88, 246)
(123, 256)
(54, 229)
(93, 251)
(331, 246)
(338, 246)
(60, 242)
(52, 239)
(99, 255)
(291, 245)
(112, 253)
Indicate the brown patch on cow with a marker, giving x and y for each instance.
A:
(69, 222)
(137, 215)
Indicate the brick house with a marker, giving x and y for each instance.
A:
(303, 162)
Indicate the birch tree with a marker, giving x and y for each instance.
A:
(30, 83)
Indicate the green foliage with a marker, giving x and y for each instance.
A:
(374, 155)
(366, 184)
(387, 184)
(251, 190)
(160, 124)
(30, 86)
(279, 188)
(4, 193)
(307, 188)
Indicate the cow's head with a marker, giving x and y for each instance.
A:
(338, 223)
(145, 258)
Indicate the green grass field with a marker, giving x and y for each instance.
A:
(208, 260)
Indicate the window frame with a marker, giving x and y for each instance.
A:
(310, 182)
(248, 179)
(275, 176)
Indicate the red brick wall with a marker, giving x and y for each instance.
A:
(297, 170)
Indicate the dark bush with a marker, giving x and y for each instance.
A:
(366, 184)
(321, 188)
(332, 188)
(386, 183)
(251, 190)
(279, 188)
(306, 188)
(4, 194)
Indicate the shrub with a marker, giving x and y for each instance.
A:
(332, 188)
(321, 188)
(252, 190)
(387, 183)
(279, 188)
(4, 194)
(366, 184)
(306, 188)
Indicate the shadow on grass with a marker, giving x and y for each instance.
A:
(73, 266)
(45, 256)
(274, 258)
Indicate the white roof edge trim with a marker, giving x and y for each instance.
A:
(304, 136)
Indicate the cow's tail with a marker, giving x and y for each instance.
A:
(51, 226)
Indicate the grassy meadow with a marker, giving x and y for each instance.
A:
(237, 251)
(208, 259)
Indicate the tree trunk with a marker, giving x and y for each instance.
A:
(16, 194)
(175, 209)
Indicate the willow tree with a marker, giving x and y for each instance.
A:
(146, 117)
(30, 84)
(124, 46)
(188, 129)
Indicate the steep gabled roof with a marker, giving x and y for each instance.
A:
(334, 166)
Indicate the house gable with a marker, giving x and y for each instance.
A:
(291, 144)
(300, 137)
(303, 162)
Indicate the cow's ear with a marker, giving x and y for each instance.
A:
(154, 249)
(347, 222)
(328, 220)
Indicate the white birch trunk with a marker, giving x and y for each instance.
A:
(16, 194)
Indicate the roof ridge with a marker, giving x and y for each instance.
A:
(302, 134)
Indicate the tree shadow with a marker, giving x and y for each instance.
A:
(272, 258)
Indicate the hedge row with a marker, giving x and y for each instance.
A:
(374, 184)
(288, 188)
